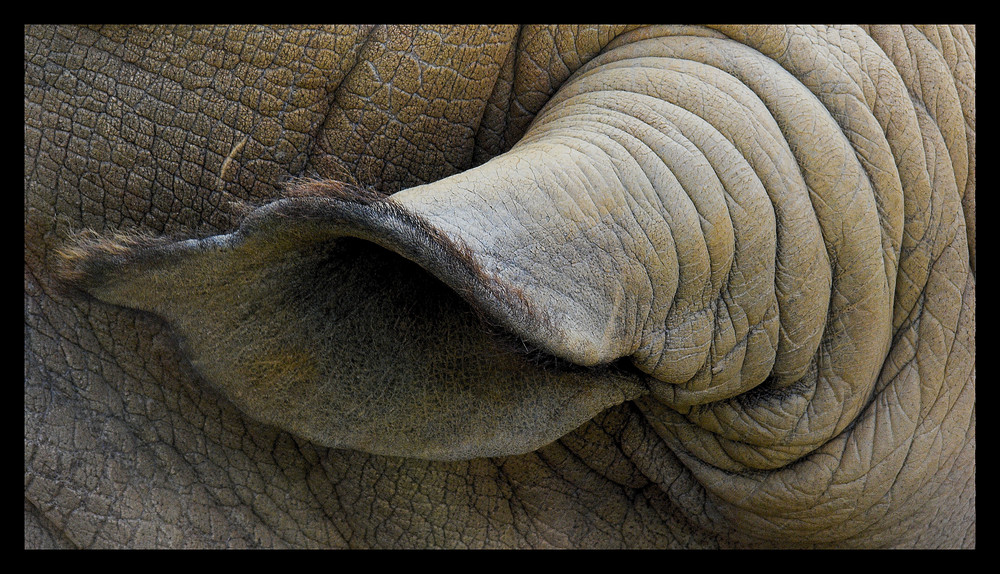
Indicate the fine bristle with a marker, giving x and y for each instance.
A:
(83, 259)
(332, 189)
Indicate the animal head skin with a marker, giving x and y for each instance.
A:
(716, 274)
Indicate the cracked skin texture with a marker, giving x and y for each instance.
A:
(672, 287)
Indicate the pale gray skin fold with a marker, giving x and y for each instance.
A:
(500, 286)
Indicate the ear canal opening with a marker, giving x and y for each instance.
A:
(389, 264)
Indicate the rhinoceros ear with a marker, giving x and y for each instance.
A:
(303, 321)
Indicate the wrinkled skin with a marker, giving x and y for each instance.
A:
(654, 287)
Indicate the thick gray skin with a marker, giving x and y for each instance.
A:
(139, 434)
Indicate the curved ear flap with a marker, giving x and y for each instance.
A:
(306, 327)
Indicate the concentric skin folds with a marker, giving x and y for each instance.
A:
(762, 237)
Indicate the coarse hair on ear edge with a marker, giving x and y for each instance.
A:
(332, 189)
(86, 255)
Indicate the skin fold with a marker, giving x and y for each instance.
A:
(500, 287)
